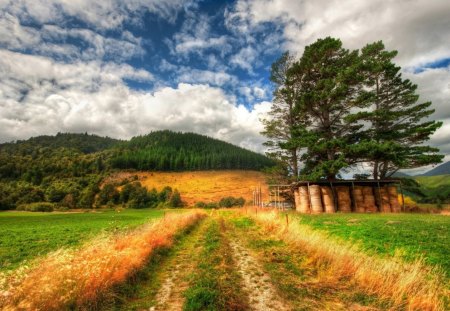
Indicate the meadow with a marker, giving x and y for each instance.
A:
(25, 235)
(409, 236)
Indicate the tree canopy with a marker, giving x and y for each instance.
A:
(347, 107)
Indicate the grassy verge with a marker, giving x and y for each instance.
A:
(297, 279)
(215, 284)
(412, 285)
(409, 236)
(26, 235)
(80, 278)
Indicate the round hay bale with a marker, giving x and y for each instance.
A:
(343, 198)
(369, 199)
(393, 199)
(304, 199)
(385, 207)
(358, 198)
(316, 199)
(328, 200)
(297, 199)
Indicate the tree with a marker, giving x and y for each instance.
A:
(330, 91)
(397, 128)
(175, 199)
(278, 128)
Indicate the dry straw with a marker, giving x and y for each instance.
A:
(80, 278)
(406, 286)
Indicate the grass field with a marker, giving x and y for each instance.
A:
(25, 235)
(230, 260)
(409, 236)
(433, 181)
(207, 186)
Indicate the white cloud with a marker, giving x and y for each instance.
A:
(39, 96)
(99, 14)
(218, 78)
(245, 58)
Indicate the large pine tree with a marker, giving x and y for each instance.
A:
(398, 124)
(330, 92)
(278, 127)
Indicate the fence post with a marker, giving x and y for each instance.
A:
(287, 220)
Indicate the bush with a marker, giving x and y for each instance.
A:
(228, 202)
(200, 204)
(37, 207)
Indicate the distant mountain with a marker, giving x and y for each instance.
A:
(442, 169)
(400, 175)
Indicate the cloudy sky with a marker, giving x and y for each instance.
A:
(122, 68)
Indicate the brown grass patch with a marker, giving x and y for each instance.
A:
(206, 186)
(68, 279)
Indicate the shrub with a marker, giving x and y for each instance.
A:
(200, 204)
(37, 207)
(228, 202)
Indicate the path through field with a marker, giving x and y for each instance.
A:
(230, 262)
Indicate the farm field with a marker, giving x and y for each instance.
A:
(409, 236)
(241, 259)
(207, 186)
(25, 235)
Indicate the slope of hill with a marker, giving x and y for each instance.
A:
(171, 151)
(442, 169)
(67, 169)
(206, 186)
(84, 143)
(433, 181)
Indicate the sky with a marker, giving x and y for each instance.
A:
(124, 68)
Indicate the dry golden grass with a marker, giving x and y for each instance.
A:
(410, 286)
(207, 186)
(80, 278)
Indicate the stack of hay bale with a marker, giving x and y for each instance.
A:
(358, 199)
(369, 199)
(343, 198)
(382, 198)
(393, 199)
(328, 200)
(316, 199)
(304, 206)
(297, 199)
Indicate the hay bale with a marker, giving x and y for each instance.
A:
(382, 198)
(369, 199)
(358, 198)
(393, 199)
(343, 198)
(297, 199)
(304, 200)
(328, 200)
(316, 199)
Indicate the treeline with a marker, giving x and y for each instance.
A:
(336, 108)
(171, 151)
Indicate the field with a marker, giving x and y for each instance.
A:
(207, 186)
(409, 236)
(25, 235)
(433, 181)
(240, 259)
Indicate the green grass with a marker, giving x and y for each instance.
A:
(410, 236)
(433, 181)
(26, 235)
(215, 283)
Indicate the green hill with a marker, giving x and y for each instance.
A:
(171, 151)
(67, 169)
(435, 189)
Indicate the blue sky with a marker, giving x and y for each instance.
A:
(123, 68)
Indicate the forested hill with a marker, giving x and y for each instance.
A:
(172, 151)
(84, 143)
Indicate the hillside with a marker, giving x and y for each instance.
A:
(171, 151)
(442, 169)
(206, 186)
(67, 169)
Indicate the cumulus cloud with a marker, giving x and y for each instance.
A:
(40, 96)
